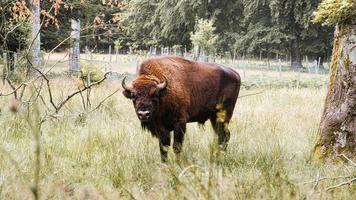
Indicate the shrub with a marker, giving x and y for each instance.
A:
(95, 72)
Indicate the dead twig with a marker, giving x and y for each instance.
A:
(14, 90)
(60, 105)
(83, 101)
(247, 95)
(317, 181)
(187, 169)
(106, 98)
(326, 178)
(340, 184)
(348, 159)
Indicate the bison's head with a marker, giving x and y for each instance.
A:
(145, 93)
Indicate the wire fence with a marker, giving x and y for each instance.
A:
(129, 62)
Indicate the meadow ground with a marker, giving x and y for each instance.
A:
(104, 154)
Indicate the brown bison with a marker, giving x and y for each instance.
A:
(169, 92)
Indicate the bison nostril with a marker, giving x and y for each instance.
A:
(143, 113)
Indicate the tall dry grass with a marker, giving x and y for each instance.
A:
(105, 154)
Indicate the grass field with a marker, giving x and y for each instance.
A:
(105, 154)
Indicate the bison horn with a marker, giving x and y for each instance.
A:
(123, 84)
(163, 85)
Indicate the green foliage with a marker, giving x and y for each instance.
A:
(88, 69)
(15, 26)
(332, 12)
(244, 26)
(99, 23)
(204, 36)
(118, 44)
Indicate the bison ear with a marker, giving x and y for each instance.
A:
(127, 94)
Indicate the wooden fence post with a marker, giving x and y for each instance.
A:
(4, 71)
(244, 64)
(110, 58)
(318, 66)
(74, 56)
(280, 68)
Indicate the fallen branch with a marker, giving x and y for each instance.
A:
(247, 95)
(341, 184)
(348, 159)
(326, 178)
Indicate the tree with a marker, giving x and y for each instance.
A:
(170, 22)
(204, 38)
(100, 23)
(259, 33)
(141, 24)
(36, 36)
(292, 19)
(337, 134)
(14, 29)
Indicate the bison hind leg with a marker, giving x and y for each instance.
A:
(220, 122)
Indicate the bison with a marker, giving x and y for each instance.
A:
(170, 92)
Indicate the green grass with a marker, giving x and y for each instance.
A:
(106, 155)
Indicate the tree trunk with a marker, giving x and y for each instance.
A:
(296, 57)
(74, 54)
(36, 49)
(337, 134)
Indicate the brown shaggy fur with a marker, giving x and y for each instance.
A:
(195, 92)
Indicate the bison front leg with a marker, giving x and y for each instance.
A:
(164, 143)
(179, 131)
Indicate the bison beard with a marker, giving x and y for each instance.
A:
(170, 92)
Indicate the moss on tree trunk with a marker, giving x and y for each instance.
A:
(337, 133)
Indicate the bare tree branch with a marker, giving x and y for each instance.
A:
(102, 101)
(14, 90)
(60, 105)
